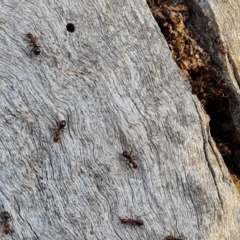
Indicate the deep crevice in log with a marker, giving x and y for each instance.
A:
(201, 57)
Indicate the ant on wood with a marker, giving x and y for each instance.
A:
(136, 222)
(221, 48)
(223, 88)
(5, 217)
(33, 41)
(60, 127)
(130, 159)
(224, 149)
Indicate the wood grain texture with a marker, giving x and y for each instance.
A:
(116, 84)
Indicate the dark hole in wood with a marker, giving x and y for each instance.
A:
(70, 27)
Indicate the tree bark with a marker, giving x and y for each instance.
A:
(115, 83)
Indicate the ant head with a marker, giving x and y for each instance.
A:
(125, 154)
(139, 222)
(5, 215)
(36, 50)
(29, 35)
(62, 124)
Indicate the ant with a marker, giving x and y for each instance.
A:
(221, 89)
(224, 149)
(33, 41)
(136, 222)
(130, 158)
(6, 227)
(221, 48)
(57, 132)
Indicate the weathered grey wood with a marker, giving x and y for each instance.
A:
(115, 80)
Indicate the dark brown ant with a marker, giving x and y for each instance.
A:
(33, 41)
(224, 149)
(222, 91)
(5, 217)
(57, 132)
(221, 48)
(130, 159)
(219, 93)
(136, 222)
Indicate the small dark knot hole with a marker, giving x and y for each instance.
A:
(70, 27)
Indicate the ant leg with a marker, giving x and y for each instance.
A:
(225, 94)
(53, 130)
(181, 237)
(219, 81)
(130, 166)
(57, 123)
(130, 152)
